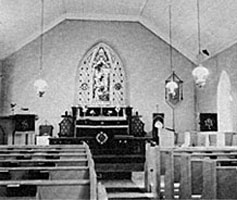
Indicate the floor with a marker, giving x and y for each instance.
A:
(127, 188)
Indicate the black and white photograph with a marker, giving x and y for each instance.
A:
(118, 99)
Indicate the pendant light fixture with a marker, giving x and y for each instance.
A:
(41, 85)
(173, 84)
(200, 73)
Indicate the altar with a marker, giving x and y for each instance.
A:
(102, 116)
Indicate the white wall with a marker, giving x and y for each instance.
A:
(146, 62)
(207, 97)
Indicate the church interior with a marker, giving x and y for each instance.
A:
(111, 100)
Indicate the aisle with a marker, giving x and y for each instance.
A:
(127, 188)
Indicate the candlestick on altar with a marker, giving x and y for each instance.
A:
(117, 109)
(101, 113)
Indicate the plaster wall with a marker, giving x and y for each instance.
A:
(144, 55)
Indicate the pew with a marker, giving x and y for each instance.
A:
(47, 162)
(187, 167)
(190, 179)
(203, 149)
(222, 181)
(79, 146)
(54, 149)
(41, 150)
(42, 155)
(102, 194)
(199, 153)
(48, 189)
(50, 173)
(70, 175)
(159, 172)
(152, 170)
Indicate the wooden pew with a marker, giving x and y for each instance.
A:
(92, 173)
(33, 149)
(191, 177)
(44, 155)
(49, 189)
(102, 194)
(51, 173)
(226, 149)
(152, 171)
(47, 162)
(196, 156)
(155, 167)
(199, 153)
(29, 147)
(226, 182)
(5, 151)
(221, 181)
(69, 178)
(197, 171)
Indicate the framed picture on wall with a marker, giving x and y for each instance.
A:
(208, 121)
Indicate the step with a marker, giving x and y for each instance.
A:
(125, 189)
(129, 195)
(126, 183)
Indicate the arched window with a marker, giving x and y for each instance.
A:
(224, 103)
(100, 78)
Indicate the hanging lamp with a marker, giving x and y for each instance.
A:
(200, 73)
(40, 84)
(173, 84)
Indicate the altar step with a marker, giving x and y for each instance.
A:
(126, 194)
(125, 189)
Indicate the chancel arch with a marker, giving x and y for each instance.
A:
(100, 79)
(224, 103)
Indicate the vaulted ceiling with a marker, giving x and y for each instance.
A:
(20, 20)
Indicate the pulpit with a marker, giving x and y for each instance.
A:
(17, 129)
(24, 132)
